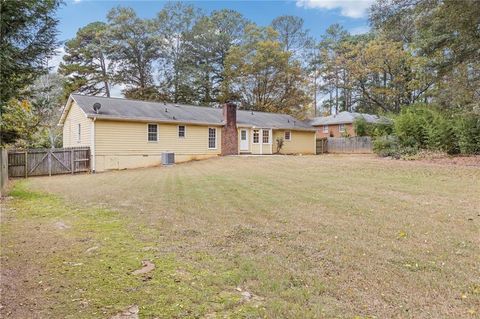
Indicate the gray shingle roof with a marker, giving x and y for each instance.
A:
(348, 117)
(134, 110)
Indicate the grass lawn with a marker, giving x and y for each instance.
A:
(247, 237)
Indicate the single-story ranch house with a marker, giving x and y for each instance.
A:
(124, 133)
(338, 125)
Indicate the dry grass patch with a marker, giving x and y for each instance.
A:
(311, 236)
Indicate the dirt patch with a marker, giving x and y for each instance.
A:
(147, 266)
(129, 313)
(455, 160)
(61, 225)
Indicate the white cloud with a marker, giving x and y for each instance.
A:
(54, 61)
(359, 30)
(348, 8)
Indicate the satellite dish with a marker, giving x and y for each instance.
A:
(97, 107)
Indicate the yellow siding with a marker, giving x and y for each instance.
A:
(259, 148)
(121, 145)
(70, 128)
(301, 142)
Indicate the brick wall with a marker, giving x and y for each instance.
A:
(334, 130)
(229, 130)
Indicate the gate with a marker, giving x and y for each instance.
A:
(38, 162)
(322, 145)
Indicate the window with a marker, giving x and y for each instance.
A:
(79, 136)
(181, 131)
(212, 138)
(243, 135)
(341, 127)
(325, 129)
(288, 135)
(152, 132)
(266, 137)
(256, 136)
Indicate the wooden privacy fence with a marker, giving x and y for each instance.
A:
(4, 169)
(348, 145)
(37, 162)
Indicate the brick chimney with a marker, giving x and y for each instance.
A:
(229, 130)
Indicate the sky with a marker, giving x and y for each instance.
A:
(317, 14)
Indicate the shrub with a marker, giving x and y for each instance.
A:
(363, 128)
(421, 127)
(467, 129)
(279, 141)
(386, 146)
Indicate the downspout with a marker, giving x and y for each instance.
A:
(92, 143)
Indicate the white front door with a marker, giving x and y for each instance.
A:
(243, 140)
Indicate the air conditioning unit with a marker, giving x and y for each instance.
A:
(168, 158)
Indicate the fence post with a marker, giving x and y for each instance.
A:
(72, 160)
(26, 164)
(49, 158)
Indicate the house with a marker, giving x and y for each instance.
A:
(124, 133)
(341, 124)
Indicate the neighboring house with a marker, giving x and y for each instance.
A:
(128, 133)
(341, 124)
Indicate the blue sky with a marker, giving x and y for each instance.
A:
(318, 14)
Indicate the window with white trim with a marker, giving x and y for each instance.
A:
(256, 136)
(152, 132)
(288, 135)
(325, 129)
(266, 137)
(79, 136)
(341, 127)
(243, 135)
(181, 131)
(212, 138)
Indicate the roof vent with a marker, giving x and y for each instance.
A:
(252, 112)
(166, 110)
(96, 107)
(288, 120)
(174, 117)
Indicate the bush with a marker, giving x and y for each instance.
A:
(363, 128)
(386, 146)
(467, 128)
(422, 127)
(279, 141)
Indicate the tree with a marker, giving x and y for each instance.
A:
(329, 66)
(385, 76)
(47, 102)
(255, 70)
(446, 34)
(172, 25)
(32, 122)
(133, 50)
(292, 35)
(27, 39)
(207, 46)
(85, 62)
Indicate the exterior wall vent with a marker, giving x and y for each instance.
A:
(168, 158)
